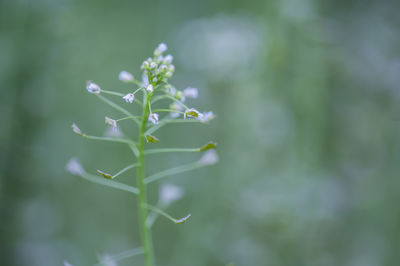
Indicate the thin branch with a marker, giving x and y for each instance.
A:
(109, 183)
(119, 108)
(127, 141)
(124, 255)
(173, 171)
(153, 151)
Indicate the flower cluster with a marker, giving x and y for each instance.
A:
(158, 68)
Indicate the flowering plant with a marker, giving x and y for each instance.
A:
(153, 87)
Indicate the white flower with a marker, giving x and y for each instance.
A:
(171, 91)
(74, 167)
(150, 88)
(92, 87)
(111, 122)
(125, 76)
(176, 107)
(107, 260)
(206, 117)
(170, 194)
(76, 129)
(153, 118)
(129, 97)
(210, 157)
(145, 80)
(191, 113)
(179, 95)
(66, 263)
(191, 92)
(168, 59)
(161, 48)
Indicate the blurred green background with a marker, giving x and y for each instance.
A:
(306, 95)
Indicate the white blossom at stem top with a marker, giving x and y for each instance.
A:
(161, 48)
(149, 88)
(125, 76)
(170, 194)
(93, 87)
(153, 118)
(129, 98)
(191, 92)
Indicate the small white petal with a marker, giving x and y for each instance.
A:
(111, 122)
(168, 59)
(125, 76)
(145, 80)
(74, 167)
(210, 157)
(206, 117)
(92, 87)
(191, 92)
(170, 194)
(66, 263)
(153, 118)
(76, 129)
(129, 97)
(161, 48)
(107, 260)
(150, 88)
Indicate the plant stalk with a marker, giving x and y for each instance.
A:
(144, 229)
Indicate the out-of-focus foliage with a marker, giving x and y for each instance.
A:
(306, 95)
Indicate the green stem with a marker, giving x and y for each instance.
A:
(144, 229)
(152, 151)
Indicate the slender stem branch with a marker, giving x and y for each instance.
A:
(124, 255)
(172, 171)
(167, 110)
(119, 108)
(109, 183)
(170, 121)
(128, 117)
(152, 151)
(144, 229)
(127, 141)
(124, 170)
(112, 93)
(161, 212)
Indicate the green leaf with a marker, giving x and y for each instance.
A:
(151, 139)
(210, 145)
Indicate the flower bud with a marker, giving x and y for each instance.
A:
(129, 98)
(76, 129)
(92, 87)
(125, 76)
(149, 88)
(191, 92)
(153, 118)
(74, 167)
